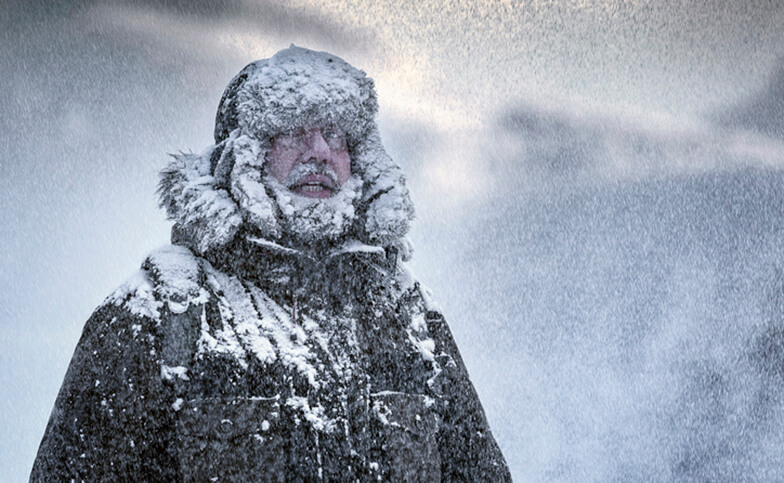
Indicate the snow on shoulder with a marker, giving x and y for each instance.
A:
(169, 275)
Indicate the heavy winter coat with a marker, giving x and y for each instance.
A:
(266, 364)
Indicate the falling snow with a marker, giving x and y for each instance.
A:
(606, 241)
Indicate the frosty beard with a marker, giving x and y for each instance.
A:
(310, 220)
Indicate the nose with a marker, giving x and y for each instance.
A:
(318, 150)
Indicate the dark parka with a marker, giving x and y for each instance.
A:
(145, 399)
(235, 356)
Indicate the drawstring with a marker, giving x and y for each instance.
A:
(293, 309)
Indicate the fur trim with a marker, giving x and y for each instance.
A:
(210, 196)
(204, 214)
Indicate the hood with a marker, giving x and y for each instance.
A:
(215, 195)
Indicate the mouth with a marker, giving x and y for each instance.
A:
(314, 186)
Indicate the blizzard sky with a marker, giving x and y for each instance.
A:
(95, 94)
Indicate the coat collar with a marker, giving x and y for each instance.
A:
(327, 277)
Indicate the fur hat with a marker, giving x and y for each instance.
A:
(211, 195)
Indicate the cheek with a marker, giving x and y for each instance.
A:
(279, 163)
(343, 166)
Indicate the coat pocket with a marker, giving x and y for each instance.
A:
(405, 428)
(231, 440)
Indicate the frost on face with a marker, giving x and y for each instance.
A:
(230, 333)
(312, 218)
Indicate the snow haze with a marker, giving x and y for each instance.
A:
(599, 189)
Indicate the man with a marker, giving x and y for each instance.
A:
(280, 337)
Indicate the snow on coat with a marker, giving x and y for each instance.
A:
(232, 356)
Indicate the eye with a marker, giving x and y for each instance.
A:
(335, 138)
(290, 139)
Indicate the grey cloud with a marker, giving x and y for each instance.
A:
(545, 148)
(268, 16)
(762, 112)
(555, 146)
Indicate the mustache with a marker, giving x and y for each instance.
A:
(295, 176)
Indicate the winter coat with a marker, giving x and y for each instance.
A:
(258, 362)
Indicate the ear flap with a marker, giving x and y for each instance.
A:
(386, 208)
(247, 187)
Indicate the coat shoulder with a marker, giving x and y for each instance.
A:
(171, 277)
(467, 447)
(109, 418)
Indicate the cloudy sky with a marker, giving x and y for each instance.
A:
(95, 95)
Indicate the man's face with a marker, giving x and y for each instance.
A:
(311, 161)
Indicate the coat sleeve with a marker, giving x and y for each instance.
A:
(467, 448)
(110, 421)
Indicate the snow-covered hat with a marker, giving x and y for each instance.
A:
(275, 95)
(211, 195)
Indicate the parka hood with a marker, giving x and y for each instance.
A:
(215, 195)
